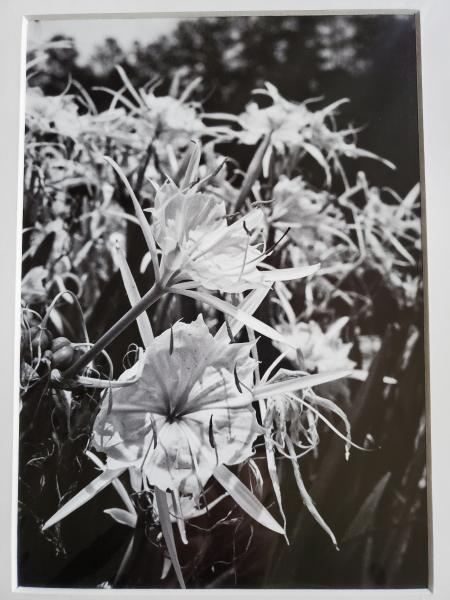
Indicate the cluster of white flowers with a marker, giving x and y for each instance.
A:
(195, 403)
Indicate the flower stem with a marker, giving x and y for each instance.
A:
(145, 302)
(253, 171)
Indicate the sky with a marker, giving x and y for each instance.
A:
(88, 33)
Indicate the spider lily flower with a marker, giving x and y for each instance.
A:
(314, 223)
(198, 245)
(284, 120)
(175, 121)
(184, 414)
(321, 350)
(293, 127)
(179, 431)
(51, 114)
(391, 231)
(169, 121)
(294, 201)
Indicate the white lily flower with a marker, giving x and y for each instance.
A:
(292, 126)
(321, 350)
(173, 120)
(196, 241)
(52, 114)
(184, 414)
(315, 224)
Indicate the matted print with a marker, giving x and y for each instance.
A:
(222, 380)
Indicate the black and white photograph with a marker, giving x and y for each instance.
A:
(222, 326)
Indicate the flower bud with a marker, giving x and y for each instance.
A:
(63, 357)
(59, 342)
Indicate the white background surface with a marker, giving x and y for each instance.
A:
(435, 49)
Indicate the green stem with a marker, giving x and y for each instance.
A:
(146, 301)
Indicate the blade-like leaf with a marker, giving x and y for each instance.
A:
(143, 322)
(298, 383)
(192, 166)
(167, 531)
(290, 274)
(272, 467)
(245, 499)
(235, 312)
(118, 485)
(307, 500)
(253, 171)
(130, 86)
(145, 226)
(83, 496)
(364, 519)
(249, 305)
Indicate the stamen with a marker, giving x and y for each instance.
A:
(236, 380)
(211, 433)
(272, 248)
(230, 333)
(155, 433)
(171, 340)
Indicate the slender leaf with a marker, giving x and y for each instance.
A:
(143, 322)
(307, 500)
(364, 519)
(130, 86)
(245, 499)
(118, 485)
(234, 312)
(192, 166)
(145, 226)
(83, 496)
(272, 467)
(291, 273)
(167, 531)
(253, 171)
(249, 305)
